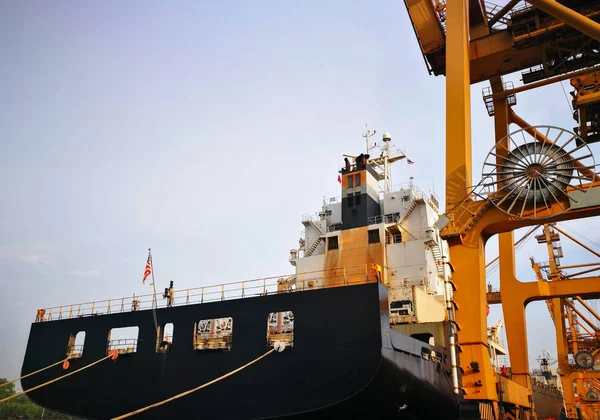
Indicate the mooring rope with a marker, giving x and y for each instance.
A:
(33, 373)
(112, 354)
(183, 394)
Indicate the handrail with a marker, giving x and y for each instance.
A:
(387, 218)
(359, 274)
(122, 344)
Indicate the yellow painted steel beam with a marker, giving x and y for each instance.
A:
(426, 24)
(514, 313)
(545, 82)
(479, 383)
(582, 272)
(458, 103)
(561, 343)
(552, 27)
(479, 379)
(562, 356)
(588, 307)
(469, 252)
(569, 16)
(502, 12)
(494, 221)
(565, 267)
(587, 248)
(496, 54)
(514, 393)
(489, 220)
(582, 316)
(533, 291)
(514, 308)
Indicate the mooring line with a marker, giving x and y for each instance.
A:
(183, 394)
(112, 354)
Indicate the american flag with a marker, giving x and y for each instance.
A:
(410, 162)
(148, 269)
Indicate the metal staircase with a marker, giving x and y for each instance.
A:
(437, 254)
(317, 226)
(412, 206)
(314, 246)
(310, 222)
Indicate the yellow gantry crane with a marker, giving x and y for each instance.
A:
(537, 174)
(576, 323)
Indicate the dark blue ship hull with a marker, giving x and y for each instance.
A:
(346, 362)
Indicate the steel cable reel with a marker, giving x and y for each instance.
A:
(584, 359)
(533, 171)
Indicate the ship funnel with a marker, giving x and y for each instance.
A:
(387, 137)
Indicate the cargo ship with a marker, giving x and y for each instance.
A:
(547, 390)
(365, 322)
(546, 386)
(364, 327)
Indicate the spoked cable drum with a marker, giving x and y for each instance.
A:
(584, 359)
(533, 172)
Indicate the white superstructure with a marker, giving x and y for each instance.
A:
(392, 227)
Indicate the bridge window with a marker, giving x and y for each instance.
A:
(164, 338)
(280, 328)
(374, 236)
(332, 242)
(213, 334)
(75, 345)
(357, 178)
(349, 181)
(124, 340)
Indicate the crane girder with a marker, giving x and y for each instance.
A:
(531, 40)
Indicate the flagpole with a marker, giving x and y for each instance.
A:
(153, 282)
(154, 302)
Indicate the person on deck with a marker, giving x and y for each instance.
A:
(170, 295)
(135, 305)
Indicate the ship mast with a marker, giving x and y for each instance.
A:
(368, 134)
(382, 164)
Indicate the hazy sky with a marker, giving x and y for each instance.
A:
(204, 130)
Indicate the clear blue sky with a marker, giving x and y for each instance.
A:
(203, 130)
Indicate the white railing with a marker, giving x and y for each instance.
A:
(310, 218)
(125, 345)
(347, 276)
(388, 218)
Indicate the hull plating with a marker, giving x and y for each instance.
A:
(346, 362)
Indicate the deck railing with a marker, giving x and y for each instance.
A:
(123, 346)
(75, 351)
(338, 277)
